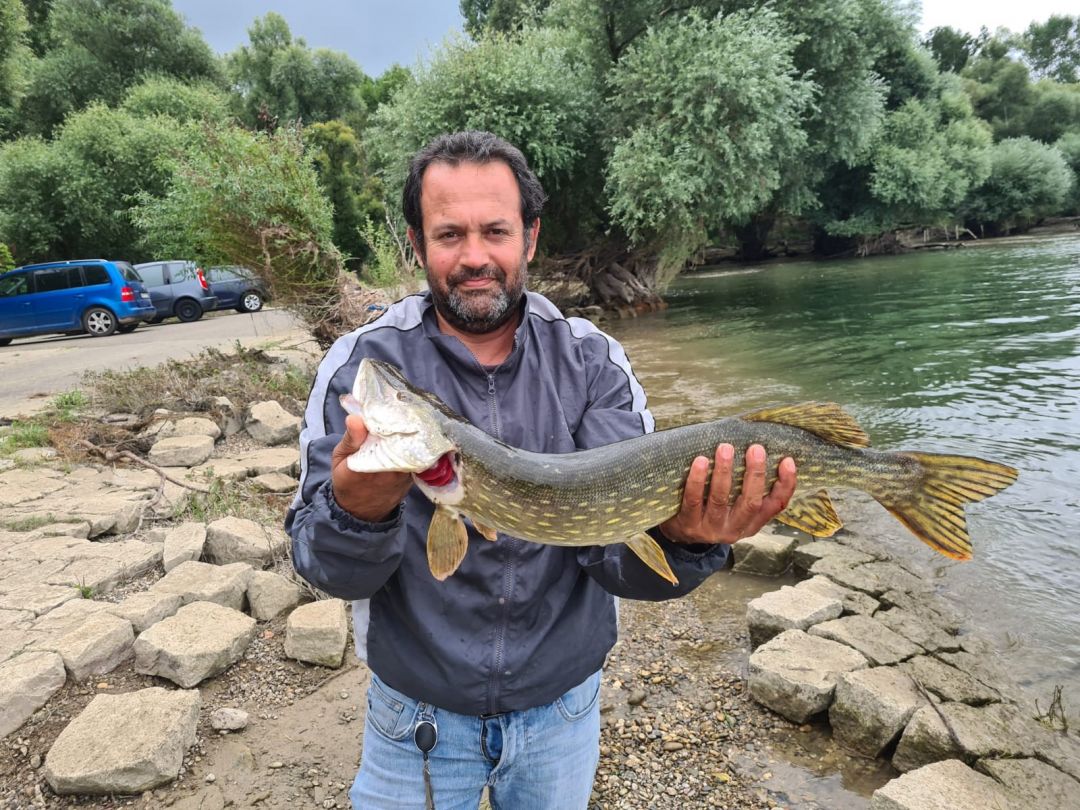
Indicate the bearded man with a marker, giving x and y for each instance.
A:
(492, 677)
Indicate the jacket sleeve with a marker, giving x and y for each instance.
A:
(616, 411)
(333, 550)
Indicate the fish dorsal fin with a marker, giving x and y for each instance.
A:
(826, 420)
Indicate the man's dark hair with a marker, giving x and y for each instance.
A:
(471, 146)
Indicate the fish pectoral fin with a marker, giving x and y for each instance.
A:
(486, 531)
(650, 553)
(813, 513)
(826, 420)
(447, 542)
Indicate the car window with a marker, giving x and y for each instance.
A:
(153, 275)
(18, 284)
(52, 279)
(181, 271)
(95, 274)
(127, 271)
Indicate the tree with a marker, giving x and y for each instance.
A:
(951, 49)
(1052, 48)
(1069, 147)
(1028, 181)
(14, 54)
(32, 218)
(500, 16)
(99, 48)
(180, 100)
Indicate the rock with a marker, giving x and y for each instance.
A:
(316, 633)
(124, 743)
(949, 683)
(15, 618)
(997, 730)
(870, 637)
(275, 482)
(37, 599)
(27, 681)
(871, 708)
(984, 669)
(232, 539)
(850, 577)
(285, 460)
(181, 451)
(1034, 783)
(188, 426)
(228, 719)
(99, 644)
(269, 423)
(203, 639)
(949, 785)
(806, 554)
(637, 697)
(795, 673)
(917, 630)
(787, 609)
(898, 577)
(930, 607)
(765, 554)
(270, 595)
(34, 455)
(147, 608)
(183, 543)
(201, 582)
(229, 415)
(853, 601)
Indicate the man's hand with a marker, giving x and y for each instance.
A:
(367, 496)
(706, 517)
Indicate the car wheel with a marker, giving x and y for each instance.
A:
(157, 319)
(251, 301)
(123, 330)
(188, 310)
(5, 341)
(99, 322)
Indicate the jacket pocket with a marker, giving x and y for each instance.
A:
(579, 701)
(392, 714)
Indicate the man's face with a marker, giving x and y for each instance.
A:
(474, 247)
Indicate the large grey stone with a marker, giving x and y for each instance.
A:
(877, 642)
(807, 554)
(317, 632)
(853, 577)
(124, 743)
(37, 599)
(233, 539)
(898, 577)
(788, 609)
(853, 601)
(985, 669)
(202, 582)
(871, 708)
(270, 595)
(917, 629)
(279, 483)
(186, 426)
(795, 673)
(265, 460)
(269, 423)
(181, 451)
(996, 730)
(764, 554)
(1034, 783)
(930, 607)
(949, 683)
(27, 681)
(99, 644)
(183, 543)
(146, 608)
(201, 640)
(949, 785)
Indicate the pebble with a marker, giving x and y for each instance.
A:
(275, 765)
(637, 697)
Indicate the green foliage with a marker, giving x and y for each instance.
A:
(23, 434)
(250, 199)
(704, 138)
(389, 261)
(99, 48)
(32, 210)
(950, 48)
(355, 194)
(14, 55)
(1055, 110)
(180, 100)
(500, 16)
(280, 79)
(1069, 146)
(1028, 181)
(1052, 48)
(67, 405)
(7, 262)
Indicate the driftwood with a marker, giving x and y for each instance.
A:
(612, 278)
(127, 455)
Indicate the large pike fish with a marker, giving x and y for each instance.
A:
(613, 494)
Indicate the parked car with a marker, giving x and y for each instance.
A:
(177, 288)
(95, 296)
(237, 288)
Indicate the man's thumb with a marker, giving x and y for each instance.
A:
(356, 434)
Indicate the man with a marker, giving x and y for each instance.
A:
(503, 657)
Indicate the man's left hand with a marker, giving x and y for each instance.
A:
(706, 515)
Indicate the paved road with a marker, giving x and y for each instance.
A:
(32, 370)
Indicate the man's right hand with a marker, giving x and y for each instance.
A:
(367, 496)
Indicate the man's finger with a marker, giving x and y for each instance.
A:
(356, 433)
(753, 489)
(694, 492)
(782, 491)
(720, 487)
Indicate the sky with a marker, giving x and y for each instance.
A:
(379, 33)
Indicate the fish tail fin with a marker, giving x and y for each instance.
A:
(650, 553)
(447, 542)
(934, 509)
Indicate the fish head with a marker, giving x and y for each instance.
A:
(403, 422)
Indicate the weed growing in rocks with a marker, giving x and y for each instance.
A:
(66, 406)
(23, 434)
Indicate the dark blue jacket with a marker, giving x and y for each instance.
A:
(519, 623)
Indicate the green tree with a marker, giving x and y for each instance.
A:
(1052, 48)
(180, 100)
(1069, 146)
(951, 49)
(1055, 110)
(500, 16)
(1028, 181)
(99, 48)
(14, 54)
(7, 262)
(31, 204)
(37, 15)
(278, 78)
(1000, 88)
(356, 194)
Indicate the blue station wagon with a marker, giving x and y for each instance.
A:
(95, 296)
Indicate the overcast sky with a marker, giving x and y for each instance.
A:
(378, 33)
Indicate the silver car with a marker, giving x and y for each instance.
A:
(177, 288)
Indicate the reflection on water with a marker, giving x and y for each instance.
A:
(970, 351)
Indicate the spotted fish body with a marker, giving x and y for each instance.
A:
(615, 493)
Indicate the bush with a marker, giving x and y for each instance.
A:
(1028, 181)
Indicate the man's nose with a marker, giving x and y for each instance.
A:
(474, 252)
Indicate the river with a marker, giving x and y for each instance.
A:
(972, 351)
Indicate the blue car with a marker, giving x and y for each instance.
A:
(95, 296)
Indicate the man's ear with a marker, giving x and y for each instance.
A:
(417, 245)
(534, 234)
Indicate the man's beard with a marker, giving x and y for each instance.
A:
(479, 311)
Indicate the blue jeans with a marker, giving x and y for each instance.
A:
(537, 759)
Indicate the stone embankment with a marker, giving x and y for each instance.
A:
(867, 640)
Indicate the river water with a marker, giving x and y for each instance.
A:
(972, 351)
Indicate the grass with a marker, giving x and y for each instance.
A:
(24, 434)
(67, 405)
(230, 499)
(28, 524)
